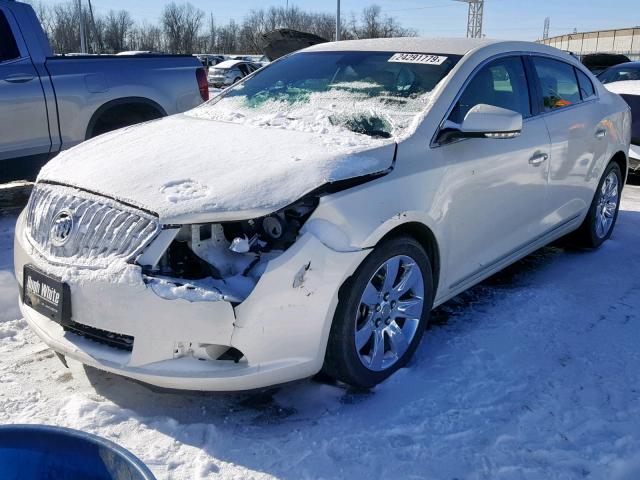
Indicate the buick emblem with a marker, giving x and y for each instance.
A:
(61, 228)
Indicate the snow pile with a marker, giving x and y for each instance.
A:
(533, 374)
(628, 87)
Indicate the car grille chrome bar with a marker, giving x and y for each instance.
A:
(103, 229)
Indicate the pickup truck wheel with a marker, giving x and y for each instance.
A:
(381, 315)
(122, 116)
(603, 212)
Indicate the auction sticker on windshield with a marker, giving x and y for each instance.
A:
(425, 59)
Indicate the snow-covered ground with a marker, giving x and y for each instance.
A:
(534, 374)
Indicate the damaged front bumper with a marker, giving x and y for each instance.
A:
(280, 329)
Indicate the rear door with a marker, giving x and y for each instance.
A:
(23, 116)
(575, 121)
(497, 187)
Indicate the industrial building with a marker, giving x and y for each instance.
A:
(625, 41)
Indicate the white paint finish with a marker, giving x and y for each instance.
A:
(485, 204)
(493, 203)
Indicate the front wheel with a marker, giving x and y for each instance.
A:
(603, 212)
(381, 315)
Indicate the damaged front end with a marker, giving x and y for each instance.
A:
(225, 305)
(220, 261)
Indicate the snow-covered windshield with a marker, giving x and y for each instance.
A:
(372, 93)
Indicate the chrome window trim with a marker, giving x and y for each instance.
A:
(434, 144)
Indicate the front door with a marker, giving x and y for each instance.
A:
(496, 187)
(24, 127)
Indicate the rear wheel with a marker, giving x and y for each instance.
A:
(603, 212)
(381, 315)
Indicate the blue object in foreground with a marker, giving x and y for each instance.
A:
(44, 452)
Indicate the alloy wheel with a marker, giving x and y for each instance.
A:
(389, 313)
(607, 204)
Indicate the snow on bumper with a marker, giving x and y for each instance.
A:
(281, 328)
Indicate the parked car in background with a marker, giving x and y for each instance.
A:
(229, 72)
(621, 73)
(128, 53)
(310, 217)
(629, 90)
(244, 58)
(49, 103)
(208, 60)
(599, 62)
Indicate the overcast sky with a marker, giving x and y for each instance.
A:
(518, 19)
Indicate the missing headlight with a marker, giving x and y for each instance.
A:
(229, 257)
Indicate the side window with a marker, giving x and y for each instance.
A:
(8, 46)
(501, 83)
(558, 82)
(244, 68)
(586, 87)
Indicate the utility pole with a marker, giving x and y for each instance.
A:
(338, 22)
(474, 18)
(83, 42)
(545, 32)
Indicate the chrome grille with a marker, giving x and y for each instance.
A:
(103, 229)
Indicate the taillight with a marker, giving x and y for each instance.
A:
(203, 85)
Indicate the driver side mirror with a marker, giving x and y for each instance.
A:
(483, 121)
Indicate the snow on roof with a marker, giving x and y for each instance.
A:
(229, 63)
(453, 46)
(625, 87)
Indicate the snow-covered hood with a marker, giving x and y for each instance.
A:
(190, 170)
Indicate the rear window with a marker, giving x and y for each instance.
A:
(558, 82)
(8, 46)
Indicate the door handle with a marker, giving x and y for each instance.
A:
(601, 133)
(538, 158)
(19, 78)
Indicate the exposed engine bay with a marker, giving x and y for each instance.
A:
(224, 261)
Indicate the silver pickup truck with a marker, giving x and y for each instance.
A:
(49, 102)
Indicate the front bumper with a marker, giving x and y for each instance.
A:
(280, 328)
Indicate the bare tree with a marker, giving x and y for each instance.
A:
(117, 28)
(376, 25)
(185, 29)
(181, 25)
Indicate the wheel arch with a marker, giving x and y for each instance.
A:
(119, 103)
(425, 236)
(621, 159)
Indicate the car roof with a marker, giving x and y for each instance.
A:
(453, 46)
(229, 63)
(627, 64)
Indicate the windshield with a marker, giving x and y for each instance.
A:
(372, 93)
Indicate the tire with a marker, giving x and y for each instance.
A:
(605, 205)
(362, 306)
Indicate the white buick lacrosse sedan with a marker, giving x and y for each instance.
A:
(310, 217)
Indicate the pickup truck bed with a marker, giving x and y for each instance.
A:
(49, 103)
